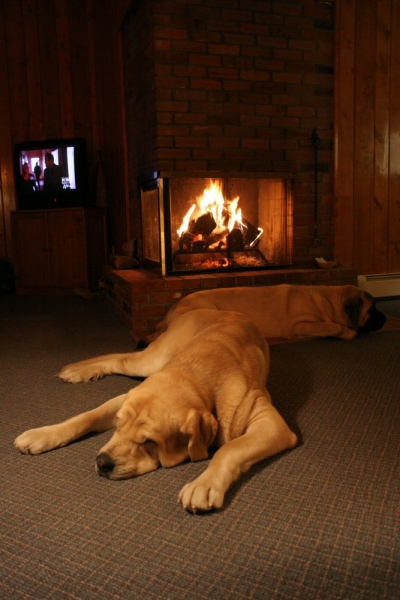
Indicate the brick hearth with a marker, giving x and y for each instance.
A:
(142, 298)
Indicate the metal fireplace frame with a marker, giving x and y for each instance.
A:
(155, 200)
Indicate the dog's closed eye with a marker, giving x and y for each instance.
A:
(146, 440)
(141, 437)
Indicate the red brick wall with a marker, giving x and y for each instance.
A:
(234, 85)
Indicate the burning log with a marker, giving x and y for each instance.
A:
(204, 225)
(235, 240)
(216, 238)
(199, 246)
(186, 241)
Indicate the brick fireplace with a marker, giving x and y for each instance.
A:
(227, 88)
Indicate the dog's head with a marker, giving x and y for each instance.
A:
(150, 433)
(361, 311)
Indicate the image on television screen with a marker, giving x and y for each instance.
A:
(51, 173)
(49, 170)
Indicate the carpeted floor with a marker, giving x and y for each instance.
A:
(320, 521)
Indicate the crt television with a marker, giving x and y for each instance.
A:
(51, 174)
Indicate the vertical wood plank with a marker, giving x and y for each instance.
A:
(394, 178)
(344, 131)
(379, 249)
(364, 133)
(110, 124)
(16, 70)
(92, 70)
(80, 70)
(49, 68)
(118, 149)
(32, 69)
(125, 221)
(7, 201)
(64, 68)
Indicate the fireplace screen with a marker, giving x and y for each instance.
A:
(205, 224)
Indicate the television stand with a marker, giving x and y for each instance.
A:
(58, 250)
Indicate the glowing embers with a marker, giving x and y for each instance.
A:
(214, 234)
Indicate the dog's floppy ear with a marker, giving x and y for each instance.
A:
(352, 308)
(201, 427)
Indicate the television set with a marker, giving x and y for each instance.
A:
(51, 174)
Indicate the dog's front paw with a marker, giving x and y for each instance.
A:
(201, 495)
(80, 372)
(348, 334)
(35, 441)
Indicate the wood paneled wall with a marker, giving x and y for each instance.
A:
(367, 131)
(61, 77)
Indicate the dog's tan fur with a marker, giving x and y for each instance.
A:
(287, 311)
(205, 386)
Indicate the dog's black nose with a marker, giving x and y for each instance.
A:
(105, 464)
(376, 321)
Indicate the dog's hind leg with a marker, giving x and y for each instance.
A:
(133, 364)
(43, 439)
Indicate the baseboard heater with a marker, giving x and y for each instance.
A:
(380, 286)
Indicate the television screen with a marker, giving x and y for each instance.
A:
(51, 174)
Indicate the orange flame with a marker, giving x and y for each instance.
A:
(186, 220)
(226, 213)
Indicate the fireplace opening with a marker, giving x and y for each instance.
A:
(194, 224)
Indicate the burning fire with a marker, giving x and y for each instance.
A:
(186, 220)
(212, 218)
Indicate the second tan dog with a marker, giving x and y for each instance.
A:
(289, 311)
(205, 386)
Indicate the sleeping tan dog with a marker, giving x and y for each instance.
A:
(289, 311)
(205, 386)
